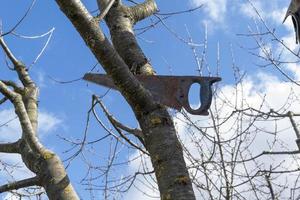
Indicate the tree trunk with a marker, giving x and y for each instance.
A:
(157, 125)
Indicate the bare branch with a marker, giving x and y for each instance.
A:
(112, 120)
(181, 12)
(290, 114)
(20, 184)
(269, 185)
(136, 132)
(20, 21)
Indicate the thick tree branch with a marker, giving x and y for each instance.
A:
(120, 20)
(6, 91)
(113, 64)
(14, 86)
(143, 10)
(29, 132)
(20, 184)
(10, 147)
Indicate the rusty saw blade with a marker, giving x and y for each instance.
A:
(171, 91)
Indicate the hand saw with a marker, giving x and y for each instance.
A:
(171, 91)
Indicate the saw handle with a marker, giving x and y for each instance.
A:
(205, 95)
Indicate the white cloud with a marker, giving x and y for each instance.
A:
(295, 69)
(48, 122)
(274, 11)
(251, 92)
(248, 11)
(10, 129)
(215, 10)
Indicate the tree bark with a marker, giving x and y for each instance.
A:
(156, 123)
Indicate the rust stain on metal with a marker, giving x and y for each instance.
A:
(171, 91)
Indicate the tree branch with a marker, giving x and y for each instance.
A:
(136, 132)
(269, 185)
(3, 100)
(10, 147)
(120, 21)
(18, 65)
(14, 86)
(27, 127)
(8, 52)
(20, 21)
(20, 184)
(143, 10)
(104, 9)
(290, 114)
(7, 92)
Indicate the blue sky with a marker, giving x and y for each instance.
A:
(64, 106)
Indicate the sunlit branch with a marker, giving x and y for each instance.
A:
(143, 10)
(6, 91)
(14, 86)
